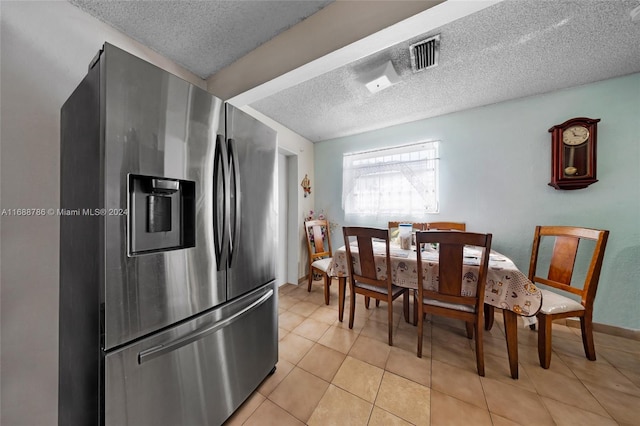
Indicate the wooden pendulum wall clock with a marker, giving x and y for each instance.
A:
(573, 153)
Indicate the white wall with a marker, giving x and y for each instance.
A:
(494, 169)
(45, 50)
(283, 205)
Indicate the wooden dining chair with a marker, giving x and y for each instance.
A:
(436, 226)
(449, 298)
(364, 279)
(446, 226)
(561, 263)
(320, 254)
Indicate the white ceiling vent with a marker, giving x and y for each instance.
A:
(424, 54)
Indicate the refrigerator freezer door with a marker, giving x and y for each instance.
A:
(161, 127)
(252, 152)
(197, 373)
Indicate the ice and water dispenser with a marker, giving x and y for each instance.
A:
(163, 214)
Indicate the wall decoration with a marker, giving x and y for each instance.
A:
(306, 185)
(573, 153)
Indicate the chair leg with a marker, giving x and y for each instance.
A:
(544, 340)
(310, 279)
(405, 305)
(342, 289)
(479, 346)
(587, 337)
(469, 326)
(415, 307)
(488, 316)
(327, 282)
(511, 337)
(420, 323)
(366, 301)
(390, 318)
(377, 303)
(352, 307)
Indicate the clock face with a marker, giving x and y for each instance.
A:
(575, 135)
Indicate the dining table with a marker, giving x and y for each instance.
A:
(507, 288)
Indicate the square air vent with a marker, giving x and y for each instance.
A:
(382, 77)
(424, 54)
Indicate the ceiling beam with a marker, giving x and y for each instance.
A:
(337, 25)
(339, 34)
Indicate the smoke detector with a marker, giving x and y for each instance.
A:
(382, 77)
(424, 54)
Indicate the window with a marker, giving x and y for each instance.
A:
(394, 182)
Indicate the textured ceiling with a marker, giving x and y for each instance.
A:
(202, 36)
(513, 49)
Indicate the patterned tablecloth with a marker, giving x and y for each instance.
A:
(507, 287)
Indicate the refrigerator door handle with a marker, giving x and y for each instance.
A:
(235, 233)
(156, 351)
(221, 236)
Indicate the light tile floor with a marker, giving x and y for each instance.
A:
(328, 374)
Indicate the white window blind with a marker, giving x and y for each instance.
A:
(391, 182)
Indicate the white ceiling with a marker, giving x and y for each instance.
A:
(512, 49)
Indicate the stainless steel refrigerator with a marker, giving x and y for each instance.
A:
(168, 304)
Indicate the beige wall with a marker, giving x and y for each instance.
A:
(45, 49)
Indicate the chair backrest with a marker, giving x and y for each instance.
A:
(364, 238)
(563, 257)
(450, 266)
(317, 232)
(446, 226)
